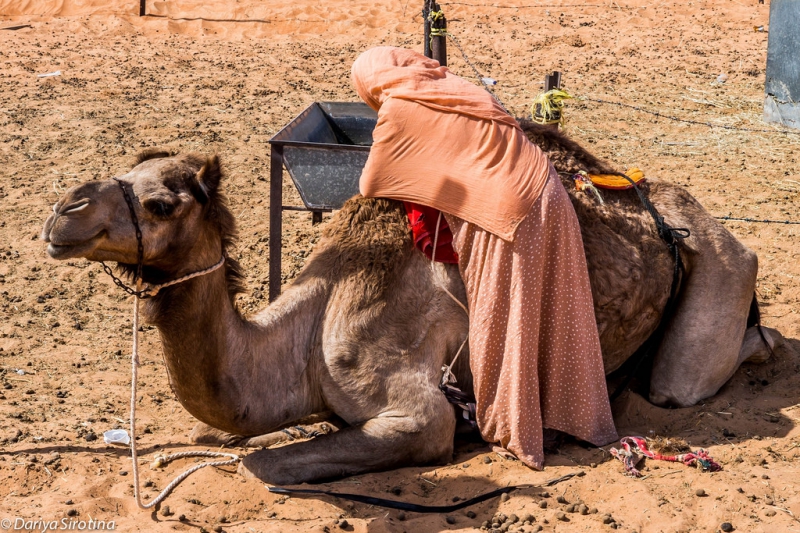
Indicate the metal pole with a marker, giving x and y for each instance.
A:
(439, 45)
(142, 6)
(275, 220)
(426, 10)
(552, 81)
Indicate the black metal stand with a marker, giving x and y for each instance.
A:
(276, 209)
(275, 220)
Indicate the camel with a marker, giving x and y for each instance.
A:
(365, 328)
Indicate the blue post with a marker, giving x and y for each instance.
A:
(782, 102)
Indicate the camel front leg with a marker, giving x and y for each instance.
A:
(379, 444)
(307, 428)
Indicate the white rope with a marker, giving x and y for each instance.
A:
(162, 460)
(447, 369)
(152, 290)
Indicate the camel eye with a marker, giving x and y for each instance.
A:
(159, 208)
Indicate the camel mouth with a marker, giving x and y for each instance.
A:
(71, 251)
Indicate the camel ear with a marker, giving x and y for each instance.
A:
(209, 176)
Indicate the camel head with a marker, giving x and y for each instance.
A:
(183, 217)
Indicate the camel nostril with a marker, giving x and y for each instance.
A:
(78, 206)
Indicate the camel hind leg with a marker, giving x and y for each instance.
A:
(702, 345)
(758, 346)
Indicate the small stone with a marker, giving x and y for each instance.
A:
(123, 472)
(485, 524)
(72, 512)
(182, 518)
(606, 519)
(90, 437)
(700, 493)
(561, 499)
(501, 518)
(537, 528)
(769, 512)
(495, 525)
(149, 483)
(543, 504)
(166, 511)
(561, 516)
(570, 508)
(504, 497)
(593, 510)
(545, 494)
(397, 491)
(613, 525)
(513, 518)
(726, 433)
(343, 524)
(583, 509)
(593, 465)
(456, 498)
(401, 516)
(487, 460)
(527, 517)
(223, 519)
(764, 476)
(217, 529)
(740, 490)
(68, 502)
(30, 391)
(471, 514)
(726, 527)
(450, 519)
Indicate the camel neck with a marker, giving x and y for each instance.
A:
(226, 371)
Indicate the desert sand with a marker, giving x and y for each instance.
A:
(223, 77)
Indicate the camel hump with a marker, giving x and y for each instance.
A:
(367, 241)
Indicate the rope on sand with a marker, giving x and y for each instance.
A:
(634, 448)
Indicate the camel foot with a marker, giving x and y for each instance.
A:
(753, 348)
(205, 434)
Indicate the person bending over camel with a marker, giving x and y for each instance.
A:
(446, 144)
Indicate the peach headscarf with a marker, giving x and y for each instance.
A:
(443, 142)
(389, 72)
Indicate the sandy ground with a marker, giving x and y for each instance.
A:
(192, 78)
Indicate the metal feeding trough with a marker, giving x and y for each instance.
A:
(324, 150)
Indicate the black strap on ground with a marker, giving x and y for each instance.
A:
(415, 508)
(647, 351)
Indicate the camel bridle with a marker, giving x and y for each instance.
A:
(150, 290)
(140, 293)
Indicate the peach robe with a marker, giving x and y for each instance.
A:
(535, 354)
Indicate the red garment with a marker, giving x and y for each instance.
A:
(423, 228)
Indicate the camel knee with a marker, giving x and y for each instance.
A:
(671, 399)
(683, 392)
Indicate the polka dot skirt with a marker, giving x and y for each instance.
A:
(534, 348)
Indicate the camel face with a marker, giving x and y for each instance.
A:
(169, 196)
